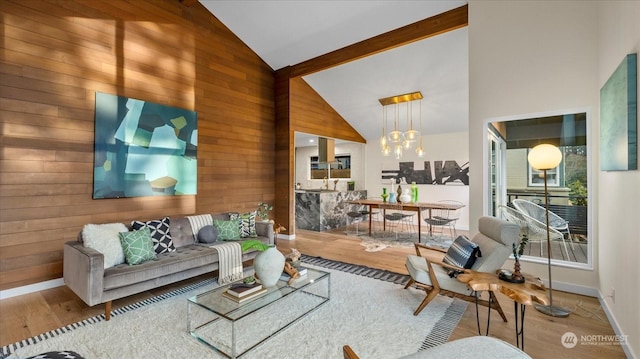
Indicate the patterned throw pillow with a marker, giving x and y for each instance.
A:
(160, 235)
(137, 246)
(247, 222)
(227, 230)
(64, 354)
(462, 253)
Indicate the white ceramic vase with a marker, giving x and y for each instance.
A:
(405, 197)
(268, 266)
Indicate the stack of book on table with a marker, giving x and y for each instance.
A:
(286, 277)
(242, 292)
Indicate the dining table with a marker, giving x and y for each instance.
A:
(408, 206)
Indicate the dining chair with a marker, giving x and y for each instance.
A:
(437, 217)
(393, 216)
(355, 213)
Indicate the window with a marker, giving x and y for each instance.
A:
(341, 168)
(536, 177)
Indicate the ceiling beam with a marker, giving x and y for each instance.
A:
(432, 26)
(189, 3)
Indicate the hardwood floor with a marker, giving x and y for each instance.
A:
(32, 314)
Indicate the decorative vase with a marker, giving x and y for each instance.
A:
(414, 192)
(517, 276)
(384, 195)
(392, 197)
(399, 192)
(268, 266)
(405, 197)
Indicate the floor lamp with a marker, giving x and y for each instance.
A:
(545, 157)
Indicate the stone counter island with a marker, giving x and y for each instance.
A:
(320, 210)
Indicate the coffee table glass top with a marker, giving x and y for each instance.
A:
(215, 302)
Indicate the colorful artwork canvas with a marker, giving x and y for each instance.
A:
(143, 149)
(619, 118)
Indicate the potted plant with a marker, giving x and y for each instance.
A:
(263, 211)
(517, 253)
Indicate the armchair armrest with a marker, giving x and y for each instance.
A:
(419, 246)
(265, 229)
(83, 272)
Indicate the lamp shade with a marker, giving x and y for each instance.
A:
(544, 157)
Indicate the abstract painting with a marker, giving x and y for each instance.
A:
(143, 149)
(444, 173)
(619, 118)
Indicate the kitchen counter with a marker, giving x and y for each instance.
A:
(321, 210)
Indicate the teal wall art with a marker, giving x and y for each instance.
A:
(619, 118)
(143, 149)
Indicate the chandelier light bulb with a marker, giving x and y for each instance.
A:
(386, 150)
(383, 142)
(396, 136)
(420, 151)
(412, 135)
(397, 151)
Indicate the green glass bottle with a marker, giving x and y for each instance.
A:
(414, 192)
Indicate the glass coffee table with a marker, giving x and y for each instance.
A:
(233, 328)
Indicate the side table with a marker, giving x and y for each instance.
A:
(523, 294)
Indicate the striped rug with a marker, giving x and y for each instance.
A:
(439, 335)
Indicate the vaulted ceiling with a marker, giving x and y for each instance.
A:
(287, 33)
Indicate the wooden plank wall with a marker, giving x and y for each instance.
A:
(300, 108)
(56, 54)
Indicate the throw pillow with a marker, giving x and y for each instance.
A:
(160, 234)
(104, 238)
(137, 246)
(247, 223)
(462, 253)
(208, 234)
(227, 230)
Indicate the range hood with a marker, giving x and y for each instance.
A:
(326, 150)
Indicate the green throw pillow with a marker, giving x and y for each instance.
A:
(227, 230)
(137, 246)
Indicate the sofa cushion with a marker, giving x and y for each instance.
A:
(160, 233)
(165, 264)
(137, 246)
(227, 230)
(105, 239)
(246, 222)
(208, 234)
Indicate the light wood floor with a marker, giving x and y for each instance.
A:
(32, 314)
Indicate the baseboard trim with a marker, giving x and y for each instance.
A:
(286, 237)
(614, 324)
(31, 288)
(573, 288)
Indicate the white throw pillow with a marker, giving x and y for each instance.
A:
(105, 239)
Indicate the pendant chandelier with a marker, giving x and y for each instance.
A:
(397, 141)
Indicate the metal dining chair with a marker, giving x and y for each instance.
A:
(393, 215)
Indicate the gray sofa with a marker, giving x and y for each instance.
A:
(84, 269)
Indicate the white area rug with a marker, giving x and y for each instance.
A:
(372, 315)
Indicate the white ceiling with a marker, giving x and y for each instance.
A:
(288, 32)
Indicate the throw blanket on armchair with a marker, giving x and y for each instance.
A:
(229, 262)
